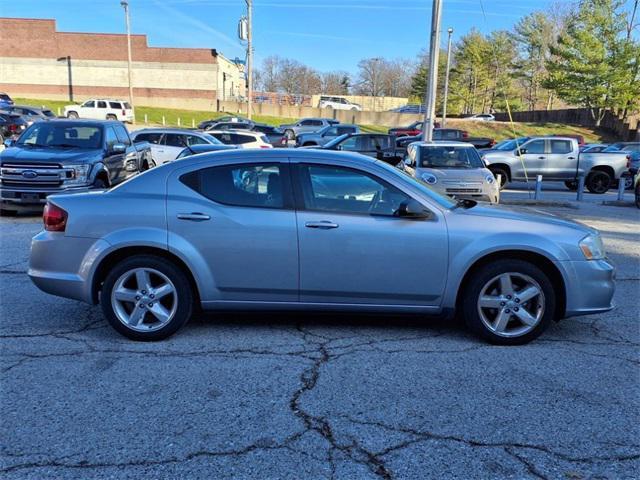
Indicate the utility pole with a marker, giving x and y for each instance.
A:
(434, 51)
(249, 56)
(125, 5)
(446, 80)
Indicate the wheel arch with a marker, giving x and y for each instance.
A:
(502, 166)
(537, 259)
(604, 168)
(120, 254)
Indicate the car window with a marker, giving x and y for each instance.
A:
(152, 137)
(345, 190)
(343, 130)
(306, 123)
(449, 157)
(127, 105)
(634, 147)
(316, 123)
(115, 105)
(195, 140)
(350, 144)
(241, 139)
(379, 142)
(225, 138)
(102, 104)
(331, 132)
(535, 147)
(89, 104)
(174, 140)
(561, 146)
(256, 185)
(61, 134)
(48, 113)
(123, 136)
(111, 137)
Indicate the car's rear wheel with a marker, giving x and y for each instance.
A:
(598, 182)
(72, 115)
(146, 298)
(571, 185)
(509, 302)
(504, 177)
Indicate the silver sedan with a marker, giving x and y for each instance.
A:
(314, 230)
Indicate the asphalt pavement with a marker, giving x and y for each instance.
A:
(310, 396)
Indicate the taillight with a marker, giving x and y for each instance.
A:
(465, 134)
(54, 218)
(123, 112)
(628, 161)
(264, 146)
(13, 127)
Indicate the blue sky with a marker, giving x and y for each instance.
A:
(325, 34)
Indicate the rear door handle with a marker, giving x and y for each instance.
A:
(323, 225)
(571, 158)
(194, 216)
(541, 158)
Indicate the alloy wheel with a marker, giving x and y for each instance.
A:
(144, 299)
(511, 304)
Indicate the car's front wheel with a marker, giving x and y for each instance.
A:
(289, 134)
(146, 298)
(504, 176)
(509, 302)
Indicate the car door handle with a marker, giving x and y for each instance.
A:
(194, 216)
(571, 158)
(323, 225)
(541, 158)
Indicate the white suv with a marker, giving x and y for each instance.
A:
(101, 109)
(338, 103)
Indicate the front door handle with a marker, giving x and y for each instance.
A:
(540, 158)
(194, 216)
(323, 225)
(571, 158)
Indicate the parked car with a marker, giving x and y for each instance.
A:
(11, 125)
(167, 143)
(452, 168)
(409, 131)
(5, 100)
(325, 135)
(225, 231)
(275, 135)
(447, 134)
(558, 158)
(230, 126)
(204, 148)
(291, 131)
(101, 109)
(31, 114)
(227, 118)
(482, 117)
(241, 138)
(411, 108)
(338, 103)
(633, 150)
(375, 145)
(67, 156)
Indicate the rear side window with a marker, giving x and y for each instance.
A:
(174, 140)
(241, 139)
(115, 105)
(127, 106)
(246, 185)
(561, 146)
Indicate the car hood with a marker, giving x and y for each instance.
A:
(57, 155)
(525, 214)
(459, 174)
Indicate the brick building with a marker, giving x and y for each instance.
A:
(40, 62)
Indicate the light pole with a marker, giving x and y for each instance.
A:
(446, 80)
(434, 50)
(125, 5)
(249, 56)
(68, 60)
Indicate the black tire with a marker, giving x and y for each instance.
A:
(571, 185)
(483, 276)
(504, 177)
(628, 182)
(73, 115)
(309, 144)
(289, 134)
(185, 298)
(598, 182)
(100, 184)
(111, 116)
(638, 195)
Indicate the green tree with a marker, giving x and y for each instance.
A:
(594, 63)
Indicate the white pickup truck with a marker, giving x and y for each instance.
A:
(557, 158)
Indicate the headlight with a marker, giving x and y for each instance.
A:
(429, 178)
(78, 174)
(489, 179)
(592, 247)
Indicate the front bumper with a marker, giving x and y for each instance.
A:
(590, 286)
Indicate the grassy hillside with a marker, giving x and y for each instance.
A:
(496, 130)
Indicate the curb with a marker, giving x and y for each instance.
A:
(541, 203)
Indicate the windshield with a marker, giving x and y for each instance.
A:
(443, 201)
(508, 145)
(51, 134)
(449, 157)
(335, 141)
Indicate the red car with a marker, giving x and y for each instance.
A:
(412, 130)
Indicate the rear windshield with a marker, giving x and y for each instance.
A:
(4, 96)
(449, 157)
(52, 134)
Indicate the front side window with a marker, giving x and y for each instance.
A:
(306, 123)
(257, 185)
(535, 147)
(174, 140)
(123, 136)
(223, 137)
(194, 140)
(89, 104)
(561, 146)
(330, 132)
(316, 123)
(111, 138)
(344, 190)
(343, 130)
(350, 144)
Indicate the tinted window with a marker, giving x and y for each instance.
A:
(316, 123)
(89, 104)
(149, 137)
(241, 139)
(111, 137)
(115, 105)
(127, 106)
(239, 185)
(306, 123)
(536, 147)
(225, 138)
(193, 140)
(449, 157)
(331, 132)
(174, 140)
(343, 130)
(561, 146)
(123, 136)
(102, 104)
(338, 189)
(60, 134)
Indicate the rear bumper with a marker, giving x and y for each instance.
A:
(30, 197)
(590, 287)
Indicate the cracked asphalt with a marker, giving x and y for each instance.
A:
(271, 396)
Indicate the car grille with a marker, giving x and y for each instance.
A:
(28, 175)
(464, 190)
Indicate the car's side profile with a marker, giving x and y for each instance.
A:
(312, 229)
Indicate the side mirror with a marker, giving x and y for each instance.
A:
(521, 151)
(118, 148)
(412, 209)
(9, 142)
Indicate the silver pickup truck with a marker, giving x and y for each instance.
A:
(557, 158)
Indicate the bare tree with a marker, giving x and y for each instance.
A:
(370, 74)
(335, 83)
(269, 73)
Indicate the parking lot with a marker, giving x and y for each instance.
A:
(320, 396)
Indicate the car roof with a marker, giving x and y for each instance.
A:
(84, 121)
(444, 143)
(168, 130)
(236, 130)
